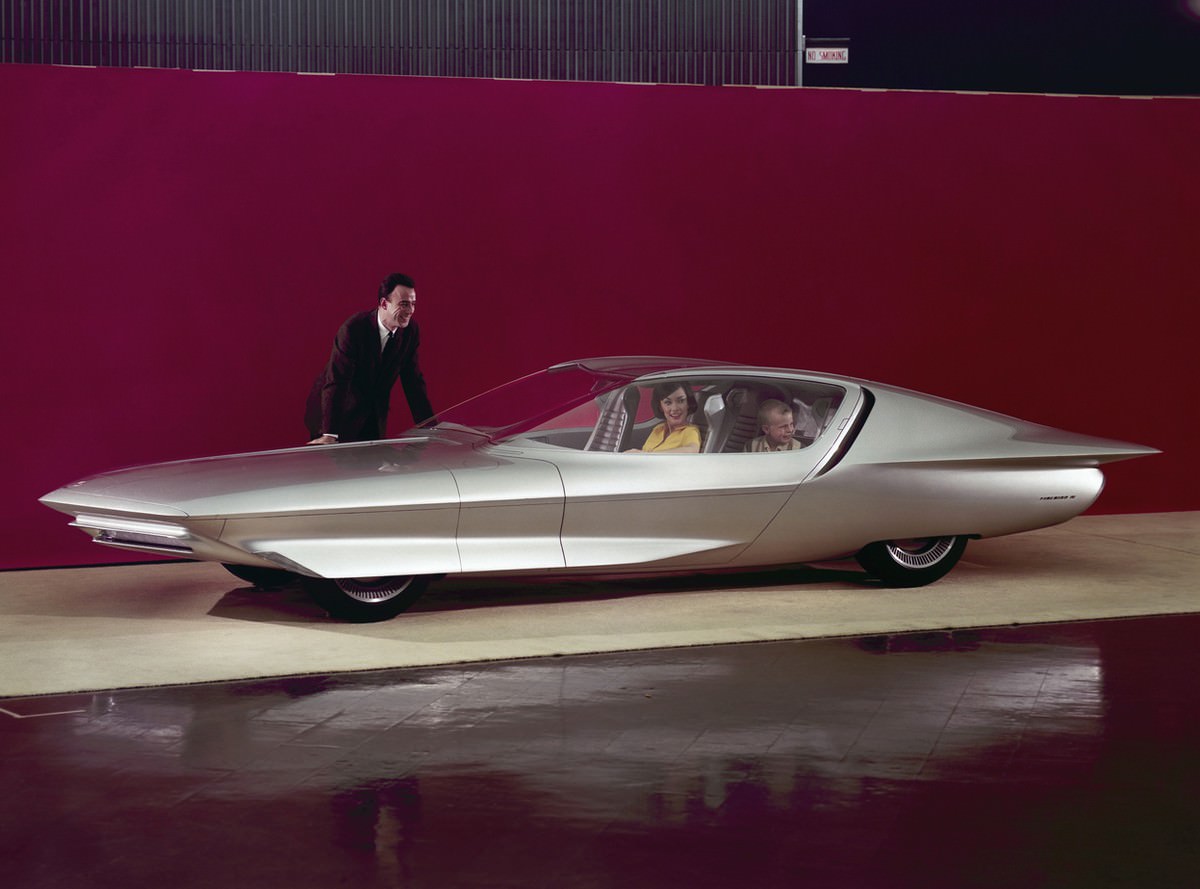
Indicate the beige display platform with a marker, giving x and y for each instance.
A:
(88, 629)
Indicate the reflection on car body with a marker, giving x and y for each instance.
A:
(532, 476)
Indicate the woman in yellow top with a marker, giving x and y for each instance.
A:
(674, 403)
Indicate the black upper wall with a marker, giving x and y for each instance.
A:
(1135, 47)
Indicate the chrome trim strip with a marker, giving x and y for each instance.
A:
(130, 526)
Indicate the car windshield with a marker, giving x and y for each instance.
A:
(524, 404)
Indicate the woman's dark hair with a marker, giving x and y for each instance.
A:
(391, 282)
(662, 390)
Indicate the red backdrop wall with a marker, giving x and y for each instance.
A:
(179, 247)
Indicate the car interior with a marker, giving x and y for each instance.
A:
(726, 413)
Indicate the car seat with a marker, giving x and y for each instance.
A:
(808, 425)
(709, 416)
(615, 426)
(732, 420)
(823, 409)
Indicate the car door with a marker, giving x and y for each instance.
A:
(683, 510)
(510, 511)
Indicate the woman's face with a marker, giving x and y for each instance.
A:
(675, 408)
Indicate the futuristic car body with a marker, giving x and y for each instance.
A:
(539, 475)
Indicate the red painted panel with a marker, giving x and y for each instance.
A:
(179, 247)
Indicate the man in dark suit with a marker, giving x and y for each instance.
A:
(349, 400)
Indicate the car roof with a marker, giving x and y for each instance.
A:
(634, 366)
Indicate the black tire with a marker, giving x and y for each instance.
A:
(367, 599)
(263, 578)
(908, 563)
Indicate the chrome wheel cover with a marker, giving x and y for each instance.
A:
(918, 554)
(373, 590)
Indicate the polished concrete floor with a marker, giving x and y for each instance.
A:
(1053, 756)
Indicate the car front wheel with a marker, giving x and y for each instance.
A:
(916, 562)
(367, 599)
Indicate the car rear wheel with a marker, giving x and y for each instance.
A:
(915, 562)
(263, 578)
(367, 599)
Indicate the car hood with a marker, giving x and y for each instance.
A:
(368, 475)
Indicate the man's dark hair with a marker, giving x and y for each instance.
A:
(392, 281)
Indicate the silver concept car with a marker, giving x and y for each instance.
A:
(546, 474)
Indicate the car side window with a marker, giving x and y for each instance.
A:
(766, 416)
(734, 415)
(570, 429)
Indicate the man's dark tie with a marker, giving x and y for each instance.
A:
(391, 339)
